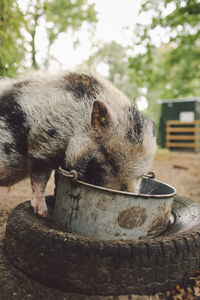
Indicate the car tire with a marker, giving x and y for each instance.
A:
(75, 263)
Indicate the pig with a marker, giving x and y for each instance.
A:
(77, 120)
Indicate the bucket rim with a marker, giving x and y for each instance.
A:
(65, 173)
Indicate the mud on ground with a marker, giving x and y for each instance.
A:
(179, 169)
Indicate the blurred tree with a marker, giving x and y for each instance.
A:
(170, 62)
(60, 15)
(115, 57)
(168, 42)
(11, 39)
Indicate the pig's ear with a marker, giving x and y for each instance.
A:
(100, 119)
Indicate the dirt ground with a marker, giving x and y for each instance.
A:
(179, 169)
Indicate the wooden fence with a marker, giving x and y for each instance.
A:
(185, 135)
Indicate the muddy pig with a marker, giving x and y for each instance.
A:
(77, 120)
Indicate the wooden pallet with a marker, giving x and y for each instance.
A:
(183, 134)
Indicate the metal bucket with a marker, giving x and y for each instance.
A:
(103, 213)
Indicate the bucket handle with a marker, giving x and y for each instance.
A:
(72, 174)
(150, 175)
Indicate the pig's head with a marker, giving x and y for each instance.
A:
(116, 151)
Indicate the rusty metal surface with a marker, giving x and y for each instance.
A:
(109, 214)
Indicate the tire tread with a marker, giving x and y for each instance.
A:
(74, 263)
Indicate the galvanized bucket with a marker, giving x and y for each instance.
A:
(103, 213)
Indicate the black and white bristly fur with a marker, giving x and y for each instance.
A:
(79, 121)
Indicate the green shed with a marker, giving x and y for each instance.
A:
(185, 110)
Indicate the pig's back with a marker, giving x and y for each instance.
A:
(40, 93)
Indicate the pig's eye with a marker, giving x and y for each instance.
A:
(95, 172)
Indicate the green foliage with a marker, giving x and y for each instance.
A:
(171, 69)
(18, 30)
(11, 40)
(60, 15)
(174, 66)
(67, 13)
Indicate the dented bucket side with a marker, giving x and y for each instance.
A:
(105, 214)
